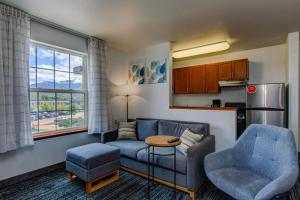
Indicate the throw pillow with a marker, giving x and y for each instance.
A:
(127, 131)
(188, 139)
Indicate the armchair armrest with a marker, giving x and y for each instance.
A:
(195, 157)
(219, 160)
(109, 136)
(280, 185)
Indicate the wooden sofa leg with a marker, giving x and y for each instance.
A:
(193, 195)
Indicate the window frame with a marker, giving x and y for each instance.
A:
(84, 91)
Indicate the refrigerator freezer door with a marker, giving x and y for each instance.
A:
(270, 117)
(267, 96)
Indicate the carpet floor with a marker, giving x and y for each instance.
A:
(55, 185)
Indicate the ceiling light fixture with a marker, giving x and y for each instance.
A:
(210, 48)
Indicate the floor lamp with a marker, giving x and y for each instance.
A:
(126, 91)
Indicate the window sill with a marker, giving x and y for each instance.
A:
(58, 133)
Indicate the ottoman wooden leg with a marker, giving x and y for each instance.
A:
(102, 181)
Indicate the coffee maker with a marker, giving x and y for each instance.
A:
(216, 103)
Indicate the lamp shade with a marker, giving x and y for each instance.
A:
(126, 89)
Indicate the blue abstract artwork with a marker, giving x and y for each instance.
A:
(154, 71)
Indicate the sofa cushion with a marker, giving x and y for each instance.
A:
(240, 183)
(92, 155)
(174, 128)
(146, 128)
(165, 161)
(129, 148)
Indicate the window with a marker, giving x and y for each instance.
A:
(57, 90)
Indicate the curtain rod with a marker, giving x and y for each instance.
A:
(59, 27)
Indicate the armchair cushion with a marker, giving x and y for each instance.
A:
(240, 183)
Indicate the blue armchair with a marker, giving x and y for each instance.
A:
(260, 165)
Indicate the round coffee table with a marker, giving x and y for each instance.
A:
(160, 141)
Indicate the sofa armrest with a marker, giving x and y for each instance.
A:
(220, 159)
(195, 157)
(109, 136)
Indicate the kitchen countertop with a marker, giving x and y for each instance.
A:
(204, 108)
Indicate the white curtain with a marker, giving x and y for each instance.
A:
(15, 128)
(99, 115)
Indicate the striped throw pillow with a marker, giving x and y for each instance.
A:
(127, 131)
(188, 139)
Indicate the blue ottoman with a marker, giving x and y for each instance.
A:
(97, 164)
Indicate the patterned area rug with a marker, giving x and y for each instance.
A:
(55, 185)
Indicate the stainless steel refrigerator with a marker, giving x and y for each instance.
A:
(266, 104)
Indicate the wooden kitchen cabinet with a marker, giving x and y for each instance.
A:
(196, 79)
(212, 78)
(180, 80)
(225, 71)
(240, 69)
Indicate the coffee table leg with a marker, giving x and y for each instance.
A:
(152, 165)
(174, 172)
(148, 172)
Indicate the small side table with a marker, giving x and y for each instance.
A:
(160, 141)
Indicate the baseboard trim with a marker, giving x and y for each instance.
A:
(29, 175)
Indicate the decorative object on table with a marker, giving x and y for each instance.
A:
(126, 90)
(127, 131)
(161, 141)
(188, 139)
(136, 73)
(151, 71)
(96, 164)
(262, 164)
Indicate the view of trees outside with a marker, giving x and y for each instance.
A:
(53, 71)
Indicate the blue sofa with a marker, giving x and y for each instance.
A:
(259, 166)
(190, 169)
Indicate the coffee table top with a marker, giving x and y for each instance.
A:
(161, 141)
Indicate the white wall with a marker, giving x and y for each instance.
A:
(293, 80)
(267, 65)
(44, 153)
(153, 101)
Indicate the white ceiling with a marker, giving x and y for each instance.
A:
(132, 24)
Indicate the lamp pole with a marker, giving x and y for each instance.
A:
(127, 107)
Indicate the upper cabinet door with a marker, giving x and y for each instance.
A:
(240, 69)
(212, 78)
(225, 71)
(180, 80)
(196, 79)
